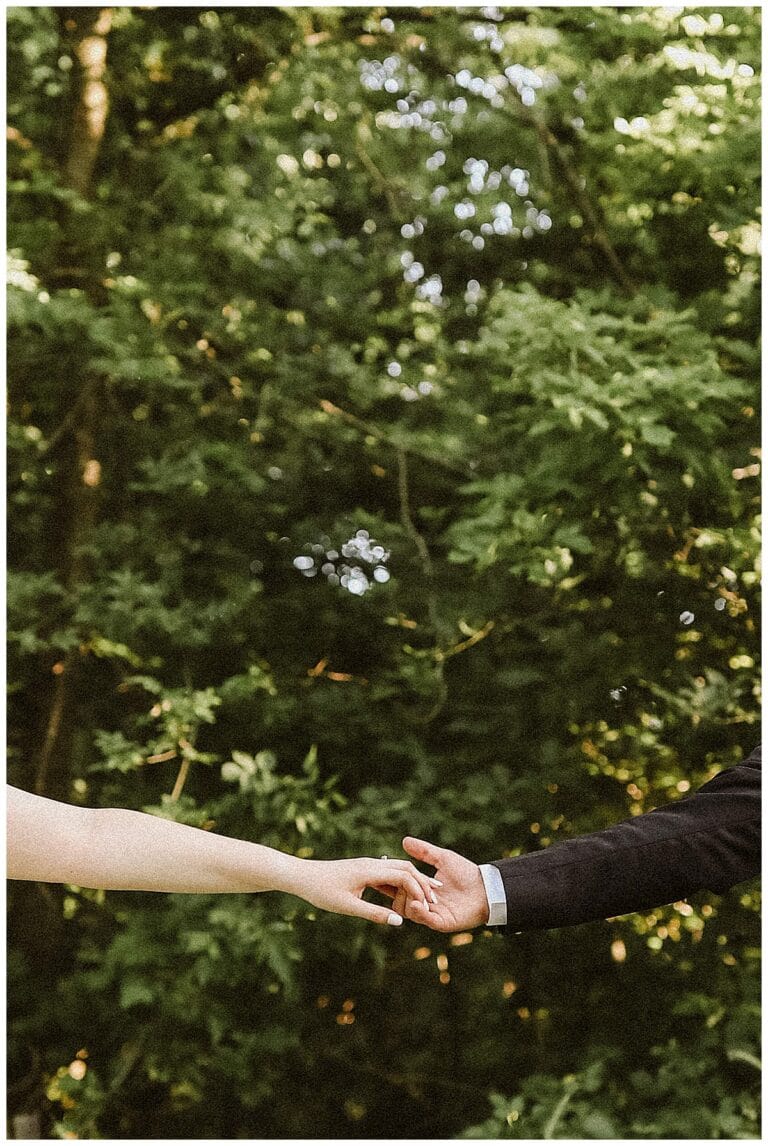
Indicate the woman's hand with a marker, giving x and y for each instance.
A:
(338, 885)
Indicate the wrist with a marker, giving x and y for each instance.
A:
(292, 875)
(243, 866)
(482, 911)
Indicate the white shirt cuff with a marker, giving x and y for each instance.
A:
(494, 890)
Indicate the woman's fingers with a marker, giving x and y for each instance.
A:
(411, 891)
(427, 883)
(404, 877)
(373, 912)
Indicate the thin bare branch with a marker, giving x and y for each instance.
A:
(181, 779)
(422, 549)
(406, 516)
(383, 184)
(374, 432)
(480, 635)
(575, 184)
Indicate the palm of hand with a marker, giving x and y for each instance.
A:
(461, 901)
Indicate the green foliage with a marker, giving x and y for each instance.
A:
(605, 1099)
(483, 283)
(602, 1101)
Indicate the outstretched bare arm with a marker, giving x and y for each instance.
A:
(117, 849)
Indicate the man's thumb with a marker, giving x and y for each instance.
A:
(423, 850)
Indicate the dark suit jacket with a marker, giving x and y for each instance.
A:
(710, 840)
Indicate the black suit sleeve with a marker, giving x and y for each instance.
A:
(710, 840)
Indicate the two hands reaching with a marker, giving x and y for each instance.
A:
(338, 885)
(454, 899)
(709, 840)
(119, 849)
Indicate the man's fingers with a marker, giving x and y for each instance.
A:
(400, 903)
(416, 889)
(419, 914)
(399, 874)
(424, 851)
(406, 880)
(428, 883)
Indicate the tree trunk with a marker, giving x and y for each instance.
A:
(85, 31)
(81, 507)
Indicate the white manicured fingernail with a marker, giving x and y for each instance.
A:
(434, 897)
(436, 882)
(394, 920)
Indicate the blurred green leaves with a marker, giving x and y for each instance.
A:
(484, 283)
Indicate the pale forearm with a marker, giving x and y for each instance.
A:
(131, 850)
(118, 849)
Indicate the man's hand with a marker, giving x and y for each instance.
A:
(461, 901)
